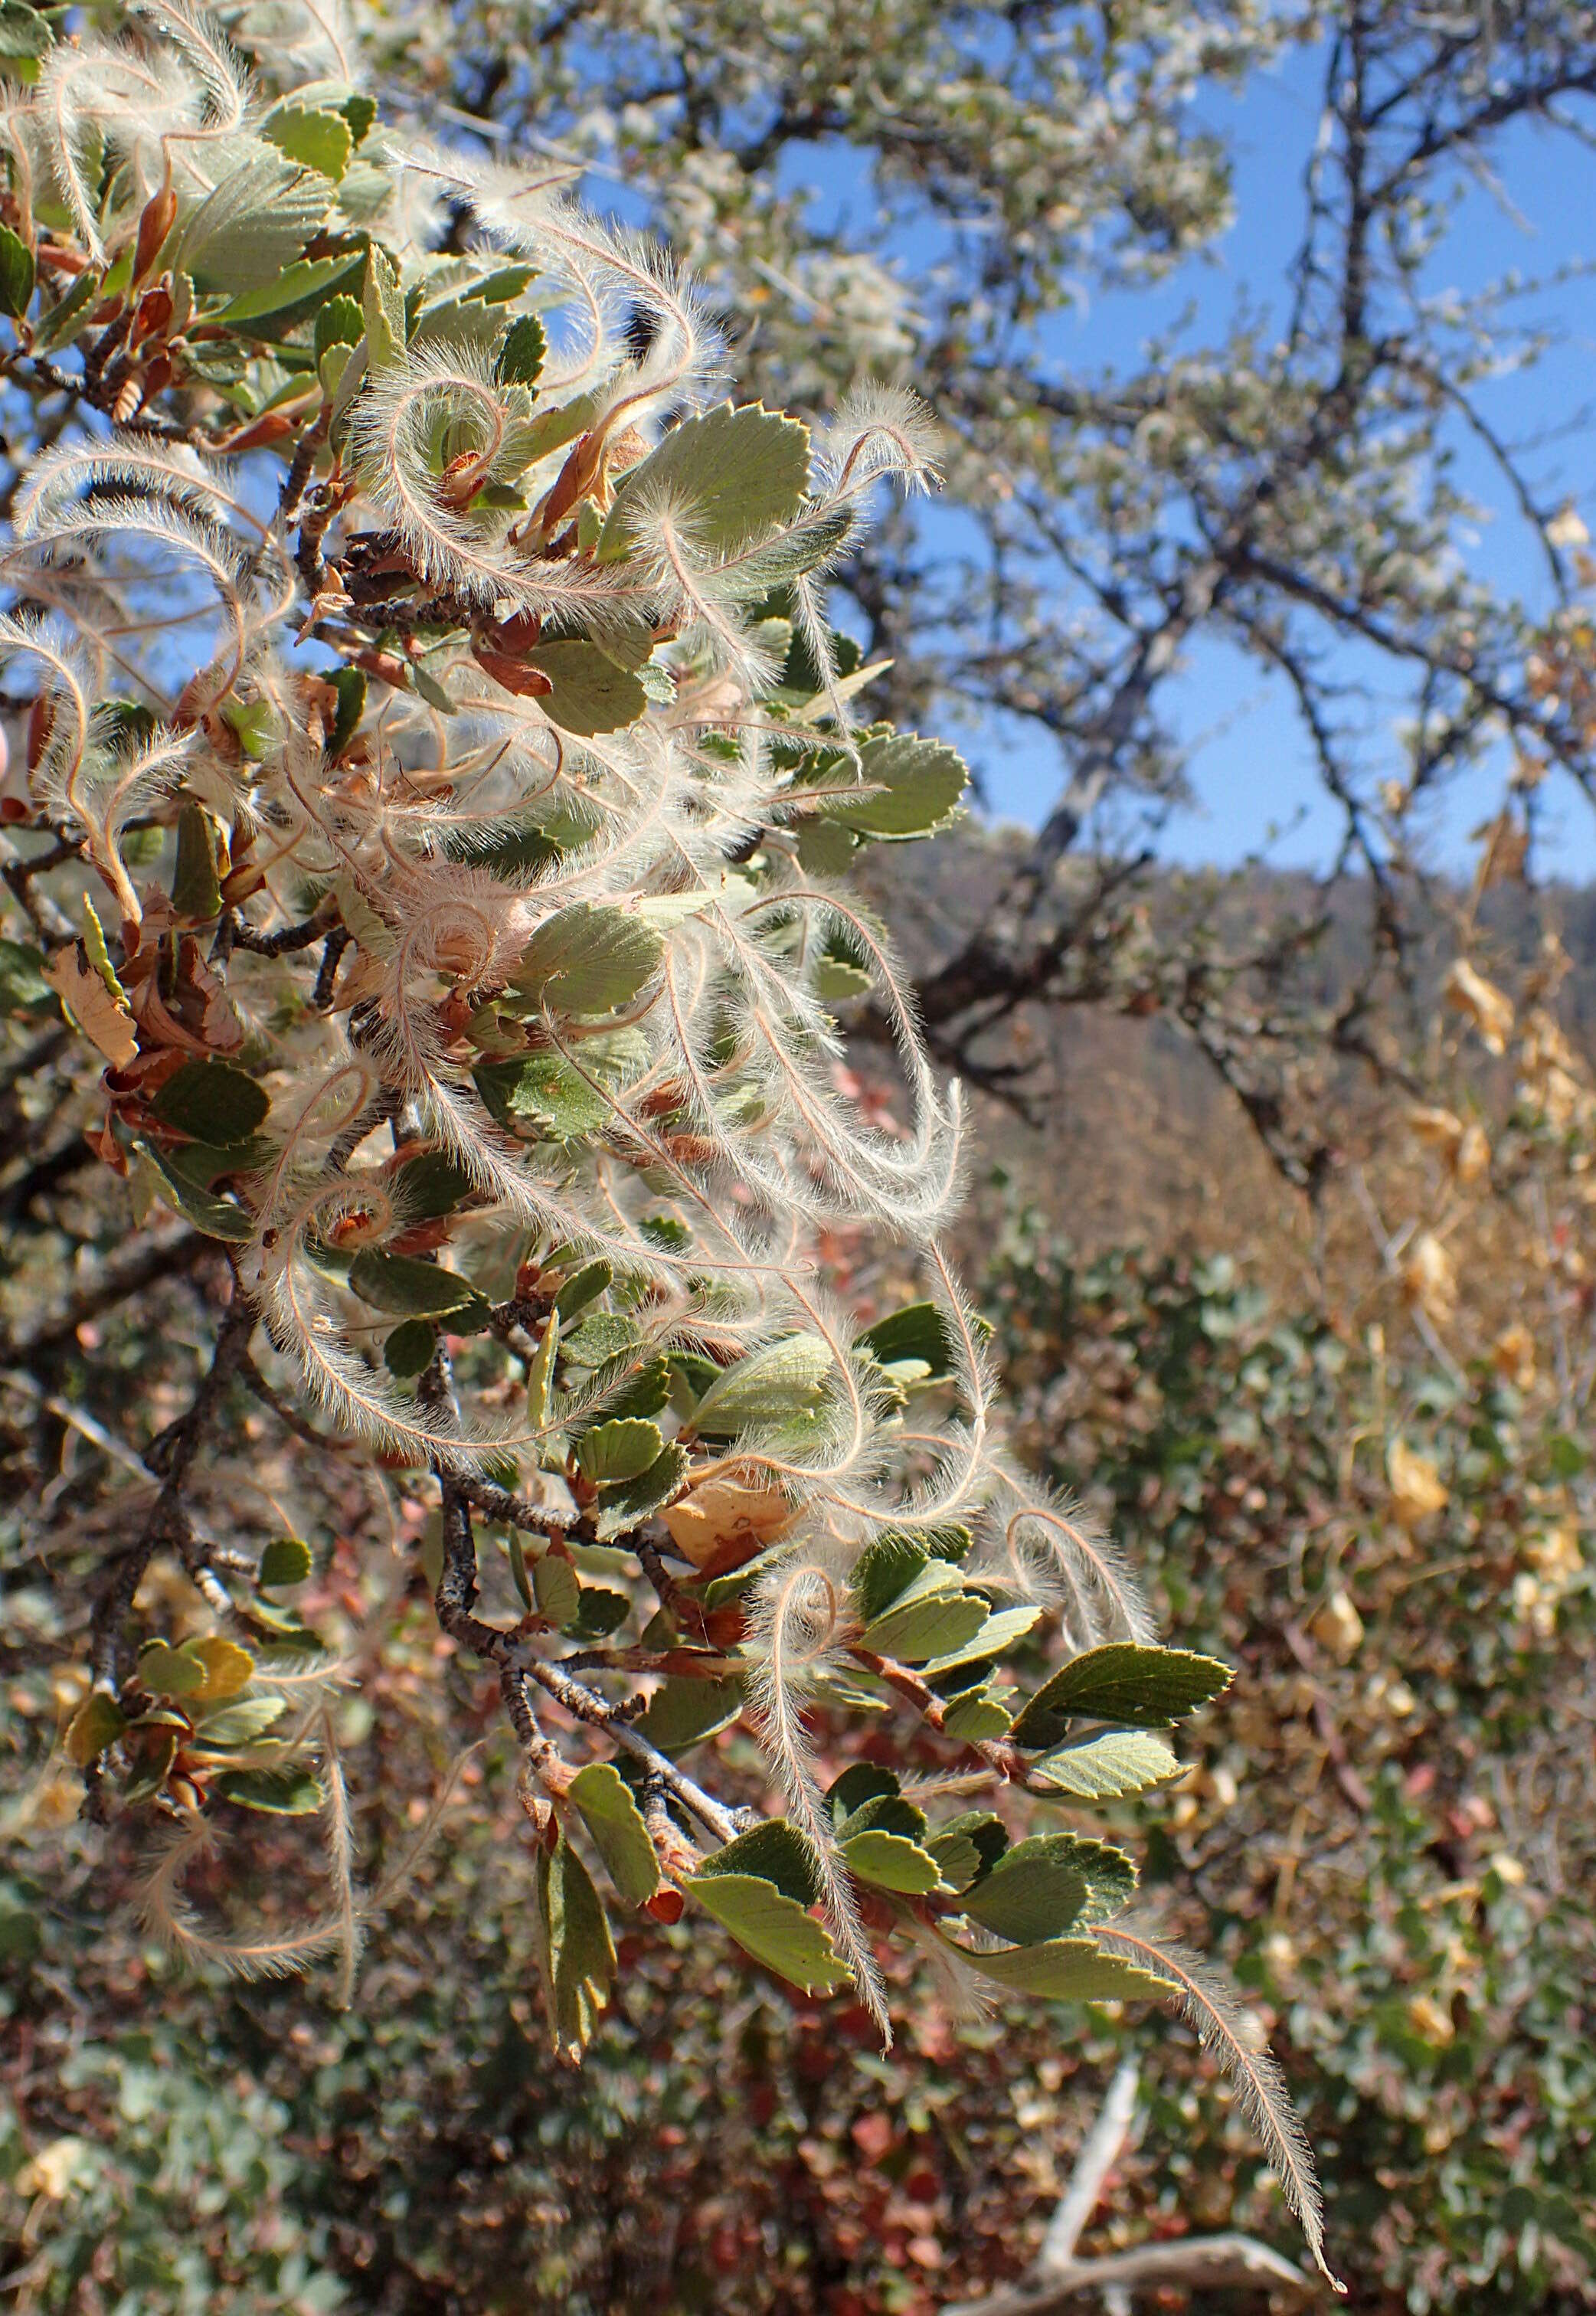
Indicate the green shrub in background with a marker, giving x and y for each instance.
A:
(1388, 1836)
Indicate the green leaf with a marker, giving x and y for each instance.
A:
(880, 1813)
(421, 1290)
(1038, 1889)
(166, 1671)
(786, 1379)
(1143, 1687)
(998, 1635)
(601, 1612)
(918, 782)
(958, 1860)
(241, 1722)
(24, 34)
(432, 691)
(408, 1351)
(624, 1508)
(520, 356)
(285, 1561)
(293, 295)
(251, 227)
(339, 321)
(430, 1186)
(203, 1164)
(540, 1374)
(360, 112)
(543, 1091)
(1113, 1762)
(730, 474)
(384, 309)
(464, 324)
(578, 1952)
(98, 1723)
(582, 1287)
(776, 1930)
(23, 988)
(682, 1713)
(222, 1218)
(917, 1331)
(286, 1792)
(887, 1566)
(930, 1618)
(155, 1758)
(588, 959)
(224, 1667)
(196, 889)
(630, 1386)
(994, 1638)
(513, 854)
(555, 1589)
(976, 1717)
(213, 1102)
(1067, 1970)
(590, 694)
(825, 848)
(778, 1853)
(979, 1835)
(620, 1836)
(16, 273)
(859, 1784)
(620, 1451)
(256, 724)
(837, 981)
(518, 1570)
(351, 377)
(321, 140)
(65, 318)
(799, 545)
(891, 1861)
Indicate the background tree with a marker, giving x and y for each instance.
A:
(1288, 488)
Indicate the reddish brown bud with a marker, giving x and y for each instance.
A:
(271, 426)
(41, 723)
(724, 1627)
(463, 477)
(155, 312)
(160, 214)
(529, 683)
(519, 634)
(157, 378)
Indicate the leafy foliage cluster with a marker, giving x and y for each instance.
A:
(463, 759)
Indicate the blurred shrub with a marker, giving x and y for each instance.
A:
(1389, 1827)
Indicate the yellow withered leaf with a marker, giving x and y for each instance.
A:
(1417, 1488)
(1428, 1282)
(1437, 1129)
(228, 1667)
(723, 1523)
(103, 1018)
(1490, 1009)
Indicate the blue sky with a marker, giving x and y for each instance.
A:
(1250, 766)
